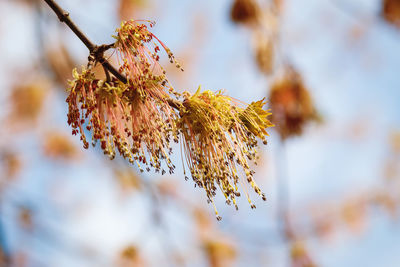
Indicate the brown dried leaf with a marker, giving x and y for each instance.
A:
(245, 12)
(391, 12)
(291, 104)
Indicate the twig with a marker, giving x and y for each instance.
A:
(283, 195)
(107, 73)
(96, 51)
(63, 16)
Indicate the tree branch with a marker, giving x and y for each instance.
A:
(63, 16)
(96, 51)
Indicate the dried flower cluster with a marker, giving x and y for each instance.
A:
(244, 11)
(291, 105)
(263, 23)
(137, 118)
(264, 49)
(133, 118)
(391, 11)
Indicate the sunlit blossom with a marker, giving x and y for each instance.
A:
(139, 118)
(219, 140)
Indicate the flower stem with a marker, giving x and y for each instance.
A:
(96, 51)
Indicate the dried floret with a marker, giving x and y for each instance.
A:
(291, 104)
(245, 12)
(391, 12)
(264, 52)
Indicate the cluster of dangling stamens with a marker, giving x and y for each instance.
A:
(122, 119)
(220, 139)
(137, 119)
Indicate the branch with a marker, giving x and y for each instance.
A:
(63, 16)
(96, 51)
(283, 195)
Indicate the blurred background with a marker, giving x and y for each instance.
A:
(330, 72)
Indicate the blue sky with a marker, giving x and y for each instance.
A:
(352, 81)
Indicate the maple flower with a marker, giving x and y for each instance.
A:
(219, 139)
(139, 118)
(122, 118)
(138, 49)
(135, 117)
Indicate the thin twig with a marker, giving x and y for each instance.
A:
(63, 16)
(96, 51)
(107, 73)
(283, 195)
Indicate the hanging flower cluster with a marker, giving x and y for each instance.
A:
(219, 139)
(264, 26)
(390, 11)
(245, 12)
(124, 118)
(139, 118)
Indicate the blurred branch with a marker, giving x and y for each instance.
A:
(283, 194)
(352, 12)
(4, 252)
